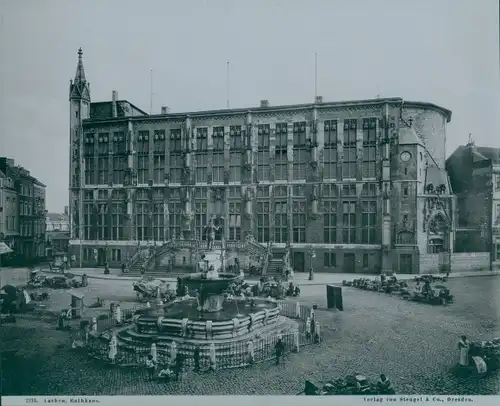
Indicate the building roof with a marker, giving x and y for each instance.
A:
(57, 217)
(471, 151)
(436, 176)
(408, 136)
(275, 109)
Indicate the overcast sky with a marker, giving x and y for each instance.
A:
(440, 51)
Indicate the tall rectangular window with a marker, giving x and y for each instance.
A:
(281, 135)
(175, 168)
(87, 221)
(330, 129)
(281, 165)
(349, 222)
(88, 146)
(119, 164)
(118, 210)
(299, 134)
(263, 166)
(102, 222)
(330, 221)
(330, 260)
(103, 144)
(89, 171)
(235, 139)
(159, 169)
(299, 164)
(369, 222)
(103, 171)
(235, 167)
(299, 222)
(263, 134)
(159, 142)
(143, 143)
(201, 139)
(174, 224)
(218, 167)
(349, 166)
(262, 221)
(369, 147)
(158, 222)
(234, 221)
(280, 222)
(201, 167)
(330, 163)
(218, 138)
(119, 143)
(142, 169)
(175, 141)
(200, 219)
(142, 220)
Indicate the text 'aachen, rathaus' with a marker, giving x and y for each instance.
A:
(360, 183)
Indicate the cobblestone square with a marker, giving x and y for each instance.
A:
(414, 344)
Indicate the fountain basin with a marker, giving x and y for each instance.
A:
(182, 319)
(196, 282)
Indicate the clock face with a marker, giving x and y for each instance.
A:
(405, 156)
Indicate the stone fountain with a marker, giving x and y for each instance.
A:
(207, 317)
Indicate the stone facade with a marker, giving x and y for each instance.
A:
(345, 183)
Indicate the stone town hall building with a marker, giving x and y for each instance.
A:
(359, 183)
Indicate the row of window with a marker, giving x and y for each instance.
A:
(152, 225)
(103, 174)
(159, 141)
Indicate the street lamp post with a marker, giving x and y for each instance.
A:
(312, 254)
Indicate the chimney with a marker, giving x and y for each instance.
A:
(264, 103)
(114, 98)
(164, 110)
(319, 100)
(66, 210)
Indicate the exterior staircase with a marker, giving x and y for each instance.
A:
(274, 266)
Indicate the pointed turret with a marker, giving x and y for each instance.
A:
(80, 72)
(80, 88)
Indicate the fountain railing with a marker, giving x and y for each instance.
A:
(228, 354)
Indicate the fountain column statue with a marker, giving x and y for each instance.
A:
(210, 230)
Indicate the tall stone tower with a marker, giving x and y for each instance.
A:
(79, 109)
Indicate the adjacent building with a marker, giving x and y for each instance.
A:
(475, 176)
(355, 186)
(57, 232)
(22, 213)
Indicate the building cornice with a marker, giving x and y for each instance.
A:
(274, 110)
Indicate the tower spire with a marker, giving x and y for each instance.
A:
(80, 88)
(80, 72)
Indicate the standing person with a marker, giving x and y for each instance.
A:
(179, 364)
(124, 268)
(143, 270)
(65, 262)
(279, 347)
(151, 367)
(196, 356)
(463, 346)
(73, 261)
